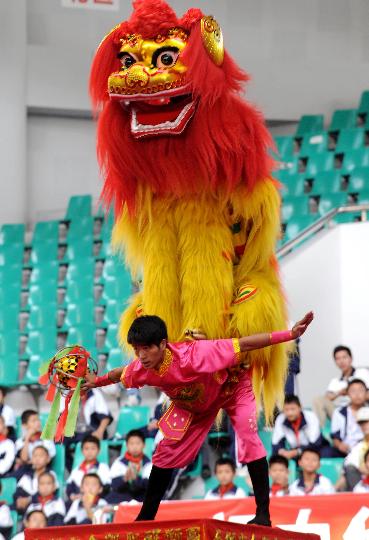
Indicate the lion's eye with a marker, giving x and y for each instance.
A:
(127, 60)
(165, 58)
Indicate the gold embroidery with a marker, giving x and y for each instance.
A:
(217, 377)
(230, 536)
(166, 363)
(152, 535)
(237, 349)
(112, 536)
(193, 533)
(122, 377)
(132, 536)
(173, 534)
(218, 535)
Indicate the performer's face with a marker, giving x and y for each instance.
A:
(150, 356)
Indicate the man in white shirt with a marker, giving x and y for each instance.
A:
(336, 393)
(354, 464)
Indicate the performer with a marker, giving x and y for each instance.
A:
(198, 376)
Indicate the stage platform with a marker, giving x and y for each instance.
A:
(182, 529)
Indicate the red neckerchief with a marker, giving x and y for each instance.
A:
(296, 427)
(275, 488)
(35, 437)
(85, 466)
(365, 480)
(45, 500)
(224, 489)
(3, 437)
(136, 460)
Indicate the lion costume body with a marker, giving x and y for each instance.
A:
(186, 165)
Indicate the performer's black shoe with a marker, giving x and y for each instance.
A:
(258, 471)
(261, 519)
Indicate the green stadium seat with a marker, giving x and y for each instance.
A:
(310, 124)
(11, 254)
(11, 274)
(113, 312)
(80, 228)
(364, 102)
(103, 455)
(347, 217)
(12, 234)
(45, 272)
(293, 186)
(343, 118)
(58, 465)
(79, 290)
(111, 341)
(82, 335)
(116, 359)
(349, 139)
(9, 370)
(285, 146)
(81, 313)
(331, 468)
(9, 344)
(114, 288)
(42, 316)
(133, 417)
(328, 202)
(78, 206)
(84, 268)
(8, 487)
(43, 293)
(80, 249)
(266, 439)
(8, 317)
(359, 179)
(319, 162)
(364, 197)
(106, 250)
(296, 225)
(358, 157)
(314, 144)
(45, 231)
(15, 519)
(10, 295)
(294, 206)
(42, 343)
(326, 182)
(43, 253)
(33, 369)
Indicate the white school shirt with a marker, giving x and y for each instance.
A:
(49, 445)
(339, 383)
(102, 470)
(77, 511)
(7, 456)
(322, 486)
(6, 519)
(8, 414)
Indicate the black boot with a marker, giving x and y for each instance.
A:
(258, 471)
(159, 481)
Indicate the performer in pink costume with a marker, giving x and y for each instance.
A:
(200, 377)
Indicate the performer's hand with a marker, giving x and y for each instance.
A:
(301, 326)
(89, 382)
(195, 333)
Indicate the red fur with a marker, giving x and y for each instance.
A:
(225, 143)
(152, 17)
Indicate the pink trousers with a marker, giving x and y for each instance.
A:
(241, 409)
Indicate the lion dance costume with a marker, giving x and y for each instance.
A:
(186, 165)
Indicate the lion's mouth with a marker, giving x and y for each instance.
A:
(165, 113)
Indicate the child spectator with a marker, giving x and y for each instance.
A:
(130, 473)
(31, 426)
(7, 449)
(363, 485)
(354, 465)
(225, 471)
(90, 450)
(345, 431)
(296, 428)
(278, 472)
(82, 510)
(27, 485)
(33, 520)
(47, 500)
(336, 393)
(8, 414)
(310, 481)
(6, 520)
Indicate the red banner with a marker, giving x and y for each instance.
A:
(191, 529)
(333, 517)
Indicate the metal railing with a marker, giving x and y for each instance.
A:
(320, 223)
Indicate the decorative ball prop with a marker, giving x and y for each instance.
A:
(66, 373)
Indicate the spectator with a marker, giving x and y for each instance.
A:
(151, 429)
(8, 414)
(310, 481)
(296, 428)
(225, 471)
(7, 449)
(278, 472)
(31, 426)
(336, 394)
(345, 431)
(354, 465)
(293, 352)
(33, 520)
(27, 485)
(82, 510)
(6, 520)
(130, 473)
(90, 464)
(363, 485)
(47, 500)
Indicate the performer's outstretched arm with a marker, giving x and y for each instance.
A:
(258, 341)
(112, 377)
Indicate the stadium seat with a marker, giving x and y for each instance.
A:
(111, 341)
(11, 254)
(314, 144)
(266, 439)
(79, 290)
(285, 146)
(82, 335)
(364, 102)
(326, 182)
(33, 369)
(294, 206)
(9, 370)
(80, 249)
(80, 314)
(349, 139)
(113, 312)
(42, 343)
(8, 487)
(12, 234)
(80, 228)
(45, 231)
(328, 202)
(116, 359)
(9, 343)
(331, 468)
(347, 217)
(133, 417)
(358, 157)
(79, 206)
(43, 253)
(359, 179)
(42, 293)
(10, 295)
(293, 186)
(310, 124)
(11, 274)
(343, 118)
(42, 316)
(319, 162)
(118, 288)
(8, 317)
(296, 225)
(45, 272)
(58, 465)
(84, 268)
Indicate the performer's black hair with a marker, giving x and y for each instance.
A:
(225, 461)
(147, 330)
